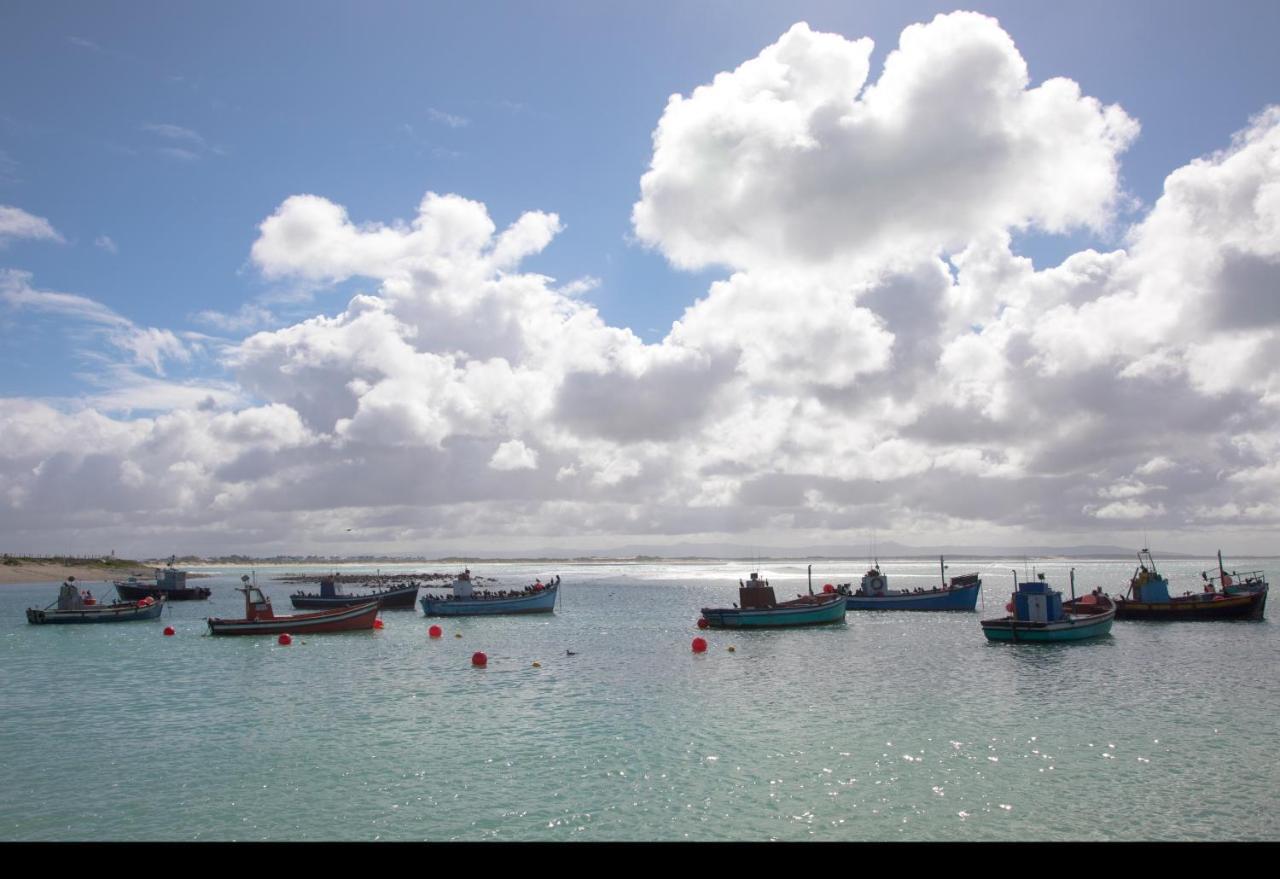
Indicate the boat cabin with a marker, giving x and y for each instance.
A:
(69, 597)
(1035, 602)
(256, 605)
(462, 586)
(171, 578)
(874, 583)
(756, 593)
(328, 587)
(1148, 586)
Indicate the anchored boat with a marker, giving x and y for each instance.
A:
(75, 607)
(873, 593)
(260, 619)
(1038, 614)
(465, 601)
(1148, 596)
(761, 608)
(170, 584)
(331, 596)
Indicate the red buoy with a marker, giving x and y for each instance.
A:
(828, 588)
(168, 630)
(377, 624)
(479, 660)
(702, 623)
(435, 632)
(699, 645)
(284, 640)
(1009, 607)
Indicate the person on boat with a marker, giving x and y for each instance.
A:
(69, 597)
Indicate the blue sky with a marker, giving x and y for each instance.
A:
(156, 137)
(521, 106)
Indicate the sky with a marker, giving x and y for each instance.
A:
(443, 278)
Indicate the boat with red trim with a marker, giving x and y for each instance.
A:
(260, 619)
(1037, 614)
(761, 609)
(1148, 596)
(74, 607)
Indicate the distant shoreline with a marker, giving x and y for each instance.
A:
(87, 573)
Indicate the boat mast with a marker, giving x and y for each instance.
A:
(942, 567)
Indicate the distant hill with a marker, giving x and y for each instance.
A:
(702, 551)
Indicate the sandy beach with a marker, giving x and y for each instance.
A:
(33, 572)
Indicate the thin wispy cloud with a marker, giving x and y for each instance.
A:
(579, 286)
(146, 346)
(174, 132)
(448, 119)
(249, 317)
(16, 223)
(181, 143)
(104, 242)
(85, 44)
(8, 168)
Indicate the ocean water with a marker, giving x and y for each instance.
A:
(893, 726)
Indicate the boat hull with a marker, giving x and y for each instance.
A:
(392, 599)
(963, 598)
(349, 619)
(134, 592)
(1249, 606)
(537, 602)
(783, 616)
(1075, 628)
(99, 613)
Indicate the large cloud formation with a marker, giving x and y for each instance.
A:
(877, 356)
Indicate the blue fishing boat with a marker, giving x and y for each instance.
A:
(465, 601)
(873, 593)
(761, 608)
(76, 608)
(1038, 614)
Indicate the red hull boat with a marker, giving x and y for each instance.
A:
(260, 619)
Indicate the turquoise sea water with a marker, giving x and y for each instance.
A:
(893, 726)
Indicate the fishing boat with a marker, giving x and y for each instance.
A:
(74, 607)
(1038, 614)
(760, 608)
(1248, 583)
(170, 584)
(873, 593)
(1148, 596)
(464, 600)
(331, 596)
(259, 619)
